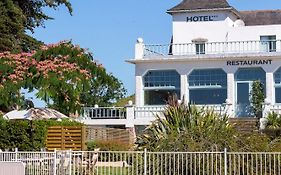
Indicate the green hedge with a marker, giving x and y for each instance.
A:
(27, 135)
(107, 145)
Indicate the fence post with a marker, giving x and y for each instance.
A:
(16, 151)
(55, 162)
(225, 161)
(130, 115)
(145, 160)
(70, 160)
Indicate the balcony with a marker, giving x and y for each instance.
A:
(208, 49)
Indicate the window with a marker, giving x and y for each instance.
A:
(277, 79)
(200, 48)
(250, 74)
(207, 86)
(268, 43)
(159, 85)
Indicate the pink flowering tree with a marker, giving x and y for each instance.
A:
(63, 74)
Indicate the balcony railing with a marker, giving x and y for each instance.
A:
(212, 48)
(104, 113)
(138, 112)
(148, 111)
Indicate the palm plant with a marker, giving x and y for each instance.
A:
(273, 121)
(189, 128)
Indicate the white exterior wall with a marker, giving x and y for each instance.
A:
(185, 32)
(223, 28)
(218, 31)
(184, 67)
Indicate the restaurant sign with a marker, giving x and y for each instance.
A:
(248, 62)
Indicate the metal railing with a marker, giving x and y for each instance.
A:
(253, 163)
(230, 47)
(104, 113)
(145, 162)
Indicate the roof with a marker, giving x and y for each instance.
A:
(261, 17)
(191, 5)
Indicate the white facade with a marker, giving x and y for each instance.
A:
(215, 56)
(228, 42)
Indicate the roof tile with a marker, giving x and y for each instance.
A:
(200, 4)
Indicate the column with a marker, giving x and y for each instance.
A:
(184, 88)
(269, 87)
(139, 91)
(230, 101)
(269, 99)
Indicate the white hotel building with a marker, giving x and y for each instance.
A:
(215, 54)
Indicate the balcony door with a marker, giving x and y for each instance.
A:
(268, 43)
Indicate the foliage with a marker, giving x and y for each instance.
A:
(257, 98)
(273, 120)
(105, 90)
(124, 101)
(64, 75)
(11, 25)
(27, 135)
(109, 145)
(190, 128)
(33, 10)
(199, 129)
(17, 16)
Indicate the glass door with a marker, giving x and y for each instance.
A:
(243, 107)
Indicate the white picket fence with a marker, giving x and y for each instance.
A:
(146, 163)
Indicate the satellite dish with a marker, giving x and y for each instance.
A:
(239, 23)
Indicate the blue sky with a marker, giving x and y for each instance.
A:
(110, 28)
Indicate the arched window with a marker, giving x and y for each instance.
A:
(207, 86)
(277, 79)
(159, 84)
(250, 74)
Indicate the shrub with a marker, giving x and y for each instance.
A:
(27, 135)
(199, 129)
(273, 120)
(190, 128)
(107, 145)
(257, 98)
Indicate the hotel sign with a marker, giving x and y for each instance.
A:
(248, 62)
(201, 18)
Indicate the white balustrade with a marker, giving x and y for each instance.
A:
(276, 108)
(230, 47)
(149, 111)
(104, 113)
(220, 109)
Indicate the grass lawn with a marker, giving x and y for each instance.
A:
(113, 171)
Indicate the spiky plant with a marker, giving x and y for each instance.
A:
(273, 121)
(188, 128)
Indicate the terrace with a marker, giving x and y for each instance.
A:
(208, 50)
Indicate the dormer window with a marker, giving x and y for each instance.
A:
(268, 43)
(199, 45)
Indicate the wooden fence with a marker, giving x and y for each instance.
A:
(107, 134)
(66, 138)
